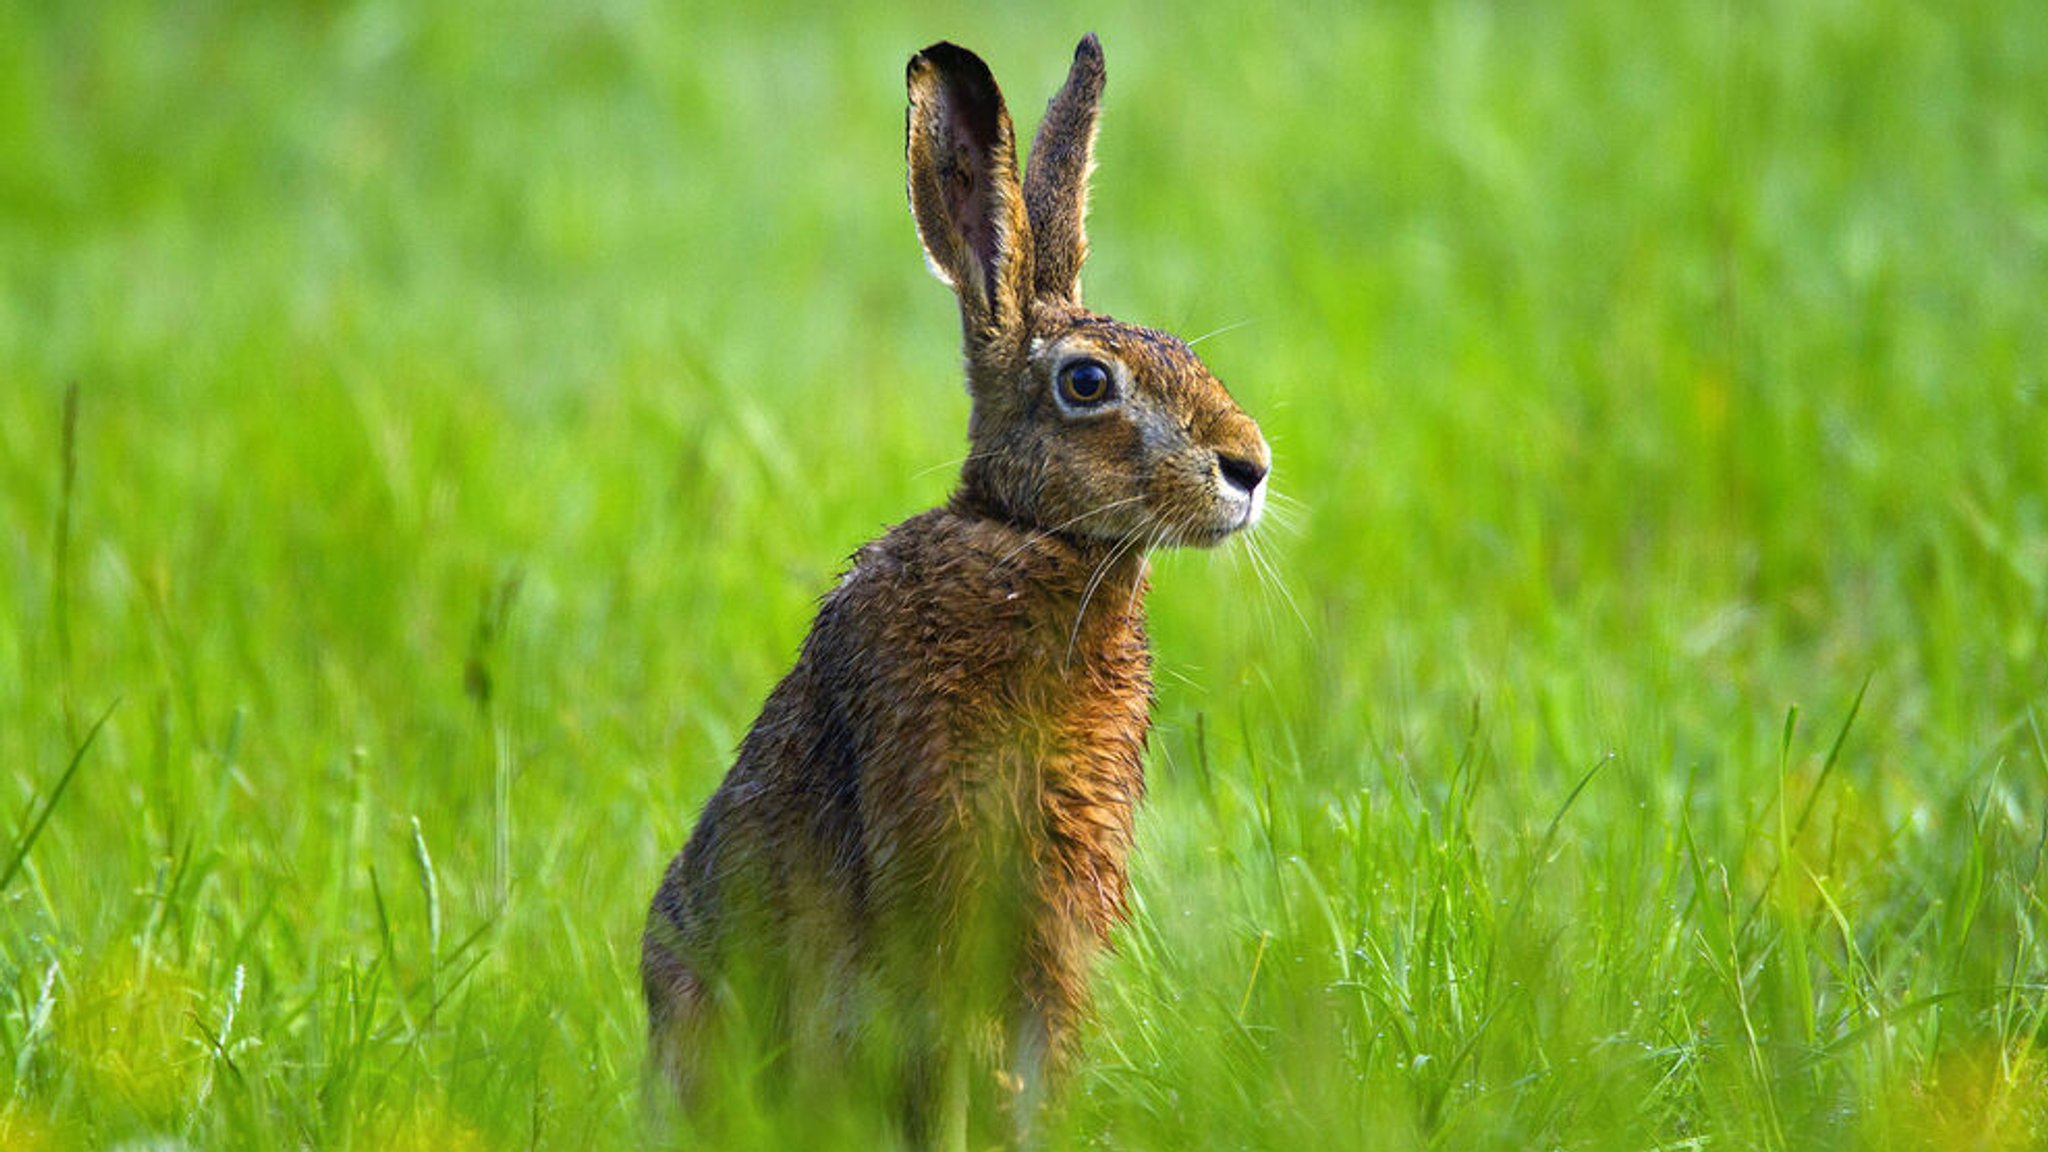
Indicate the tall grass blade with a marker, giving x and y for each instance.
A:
(19, 852)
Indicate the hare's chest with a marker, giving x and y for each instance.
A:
(1076, 700)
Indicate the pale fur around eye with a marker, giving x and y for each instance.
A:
(1086, 385)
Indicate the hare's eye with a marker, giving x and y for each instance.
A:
(1085, 383)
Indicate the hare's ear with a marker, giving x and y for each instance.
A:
(1056, 184)
(965, 196)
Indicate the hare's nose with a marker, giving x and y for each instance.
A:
(1243, 475)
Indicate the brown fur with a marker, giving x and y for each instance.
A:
(924, 839)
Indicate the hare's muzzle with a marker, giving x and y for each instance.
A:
(1242, 464)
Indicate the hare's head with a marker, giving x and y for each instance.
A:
(1083, 426)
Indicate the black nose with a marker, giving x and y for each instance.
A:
(1244, 475)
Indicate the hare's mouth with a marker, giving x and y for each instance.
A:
(1227, 521)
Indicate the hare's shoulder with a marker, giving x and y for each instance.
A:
(948, 567)
(946, 589)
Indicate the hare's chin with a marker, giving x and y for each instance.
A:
(1240, 511)
(1214, 533)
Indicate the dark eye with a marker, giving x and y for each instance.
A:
(1085, 383)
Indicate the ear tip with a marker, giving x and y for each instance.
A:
(1088, 67)
(931, 59)
(962, 71)
(947, 56)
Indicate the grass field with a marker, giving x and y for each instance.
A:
(424, 434)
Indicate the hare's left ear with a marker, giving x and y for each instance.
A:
(965, 196)
(1056, 184)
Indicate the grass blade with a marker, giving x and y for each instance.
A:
(19, 853)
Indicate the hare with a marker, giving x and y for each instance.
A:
(924, 838)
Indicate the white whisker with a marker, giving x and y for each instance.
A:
(1270, 575)
(959, 463)
(1284, 499)
(1285, 512)
(1221, 331)
(1288, 520)
(1038, 534)
(1123, 545)
(1137, 586)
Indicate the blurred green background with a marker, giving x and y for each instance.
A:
(1642, 745)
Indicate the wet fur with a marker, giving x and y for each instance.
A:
(923, 842)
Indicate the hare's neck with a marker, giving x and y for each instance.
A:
(978, 494)
(1096, 580)
(975, 498)
(1116, 574)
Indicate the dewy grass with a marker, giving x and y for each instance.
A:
(1643, 374)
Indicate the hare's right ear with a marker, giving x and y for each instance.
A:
(965, 195)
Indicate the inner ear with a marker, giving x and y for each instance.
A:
(967, 204)
(964, 189)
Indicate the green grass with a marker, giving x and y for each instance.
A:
(470, 408)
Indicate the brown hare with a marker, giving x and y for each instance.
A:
(923, 841)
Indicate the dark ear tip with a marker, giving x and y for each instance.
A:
(1087, 71)
(952, 59)
(930, 60)
(962, 71)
